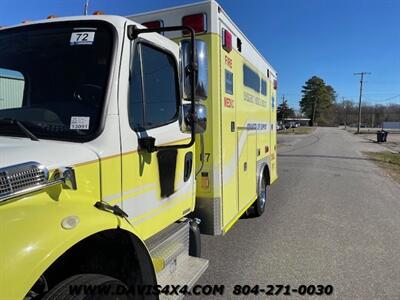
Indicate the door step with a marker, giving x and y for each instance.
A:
(169, 251)
(187, 271)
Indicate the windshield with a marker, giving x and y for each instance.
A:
(53, 78)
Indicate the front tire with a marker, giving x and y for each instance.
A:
(89, 287)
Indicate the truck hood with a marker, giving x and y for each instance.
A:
(51, 154)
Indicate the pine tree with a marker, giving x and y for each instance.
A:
(317, 99)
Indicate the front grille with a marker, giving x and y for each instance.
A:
(5, 187)
(21, 177)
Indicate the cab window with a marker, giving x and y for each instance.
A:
(154, 93)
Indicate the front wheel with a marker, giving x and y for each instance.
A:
(89, 287)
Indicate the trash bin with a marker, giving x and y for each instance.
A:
(379, 136)
(384, 135)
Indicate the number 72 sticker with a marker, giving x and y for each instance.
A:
(82, 38)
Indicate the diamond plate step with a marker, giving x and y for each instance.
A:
(169, 251)
(169, 243)
(186, 271)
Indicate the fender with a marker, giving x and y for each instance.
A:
(32, 236)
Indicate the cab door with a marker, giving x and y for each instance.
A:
(157, 187)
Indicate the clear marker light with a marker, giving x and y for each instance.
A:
(70, 222)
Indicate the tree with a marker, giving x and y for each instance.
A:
(316, 102)
(373, 114)
(284, 111)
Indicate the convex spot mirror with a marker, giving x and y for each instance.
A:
(199, 118)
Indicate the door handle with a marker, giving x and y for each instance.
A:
(188, 166)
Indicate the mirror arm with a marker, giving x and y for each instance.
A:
(133, 32)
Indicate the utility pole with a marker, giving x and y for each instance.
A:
(359, 101)
(373, 119)
(85, 10)
(283, 109)
(345, 113)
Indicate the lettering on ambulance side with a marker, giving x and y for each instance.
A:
(228, 102)
(228, 61)
(254, 99)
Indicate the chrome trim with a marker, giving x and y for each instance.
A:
(30, 177)
(17, 178)
(67, 176)
(201, 74)
(261, 165)
(31, 190)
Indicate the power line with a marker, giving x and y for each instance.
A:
(390, 98)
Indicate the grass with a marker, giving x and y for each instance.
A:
(299, 130)
(388, 161)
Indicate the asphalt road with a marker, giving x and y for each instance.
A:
(333, 218)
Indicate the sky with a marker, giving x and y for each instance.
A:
(331, 39)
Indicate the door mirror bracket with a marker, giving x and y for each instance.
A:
(147, 143)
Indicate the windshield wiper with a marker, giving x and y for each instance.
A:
(9, 121)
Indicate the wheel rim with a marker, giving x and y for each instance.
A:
(263, 196)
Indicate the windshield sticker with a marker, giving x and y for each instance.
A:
(80, 123)
(82, 38)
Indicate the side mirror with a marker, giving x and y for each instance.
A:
(199, 119)
(201, 74)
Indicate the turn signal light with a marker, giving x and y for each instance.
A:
(198, 22)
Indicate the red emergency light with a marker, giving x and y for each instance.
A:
(226, 40)
(198, 22)
(154, 24)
